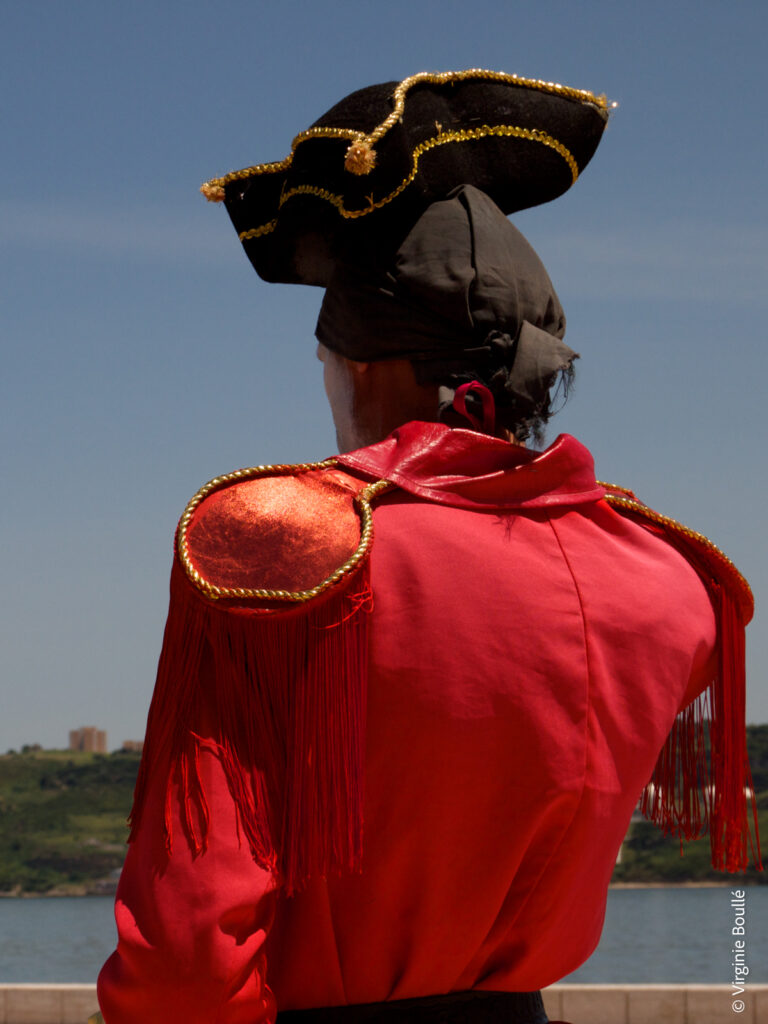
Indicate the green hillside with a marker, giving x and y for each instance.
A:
(63, 824)
(63, 819)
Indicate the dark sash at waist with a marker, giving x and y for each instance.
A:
(454, 1008)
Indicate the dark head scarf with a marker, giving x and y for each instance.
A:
(464, 298)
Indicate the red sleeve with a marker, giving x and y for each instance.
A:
(253, 756)
(191, 927)
(705, 660)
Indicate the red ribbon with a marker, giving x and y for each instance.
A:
(488, 423)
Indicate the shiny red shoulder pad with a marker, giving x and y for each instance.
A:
(281, 529)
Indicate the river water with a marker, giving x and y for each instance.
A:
(666, 935)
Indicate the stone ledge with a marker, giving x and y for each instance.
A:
(47, 1004)
(579, 1004)
(655, 1004)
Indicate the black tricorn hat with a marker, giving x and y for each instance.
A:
(358, 178)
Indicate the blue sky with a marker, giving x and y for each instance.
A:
(141, 355)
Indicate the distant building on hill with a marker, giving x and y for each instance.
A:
(89, 738)
(133, 746)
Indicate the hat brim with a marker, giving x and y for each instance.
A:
(356, 181)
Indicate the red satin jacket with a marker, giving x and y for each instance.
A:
(527, 650)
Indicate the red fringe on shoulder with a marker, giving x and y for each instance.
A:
(702, 780)
(279, 695)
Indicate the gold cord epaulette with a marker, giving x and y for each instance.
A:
(362, 501)
(362, 142)
(625, 500)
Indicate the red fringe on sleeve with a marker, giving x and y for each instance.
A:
(702, 780)
(280, 697)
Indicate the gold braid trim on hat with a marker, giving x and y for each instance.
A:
(631, 504)
(441, 139)
(449, 77)
(360, 155)
(362, 501)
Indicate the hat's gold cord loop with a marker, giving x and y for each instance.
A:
(214, 189)
(441, 139)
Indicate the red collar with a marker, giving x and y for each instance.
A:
(467, 469)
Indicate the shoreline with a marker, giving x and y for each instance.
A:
(710, 884)
(109, 888)
(84, 890)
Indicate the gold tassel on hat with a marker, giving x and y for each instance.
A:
(360, 158)
(213, 191)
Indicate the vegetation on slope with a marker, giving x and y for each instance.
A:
(63, 819)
